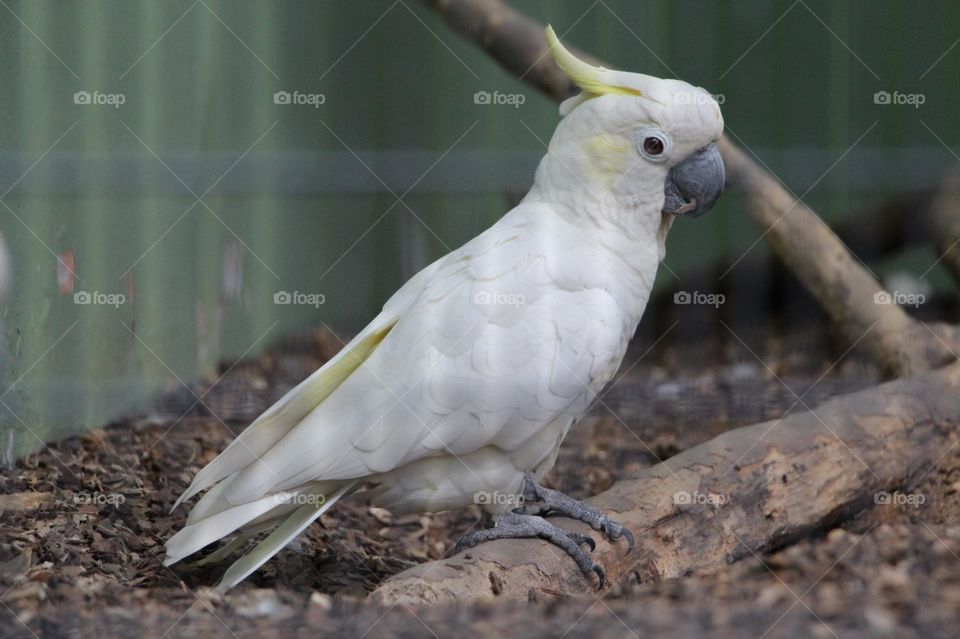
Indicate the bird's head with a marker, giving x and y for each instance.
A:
(640, 141)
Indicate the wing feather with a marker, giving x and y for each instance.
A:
(279, 419)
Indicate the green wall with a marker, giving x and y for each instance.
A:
(286, 206)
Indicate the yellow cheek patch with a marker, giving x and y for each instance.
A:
(609, 156)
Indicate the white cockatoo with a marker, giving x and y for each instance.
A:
(462, 389)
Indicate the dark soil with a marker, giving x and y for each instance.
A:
(82, 523)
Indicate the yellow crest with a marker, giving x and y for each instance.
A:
(588, 77)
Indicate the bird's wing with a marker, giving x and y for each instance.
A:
(287, 412)
(278, 420)
(491, 350)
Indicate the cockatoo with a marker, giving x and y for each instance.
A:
(462, 389)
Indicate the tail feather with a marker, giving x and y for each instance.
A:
(292, 526)
(204, 532)
(218, 519)
(279, 419)
(244, 535)
(213, 503)
(209, 505)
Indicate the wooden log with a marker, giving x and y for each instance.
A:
(746, 491)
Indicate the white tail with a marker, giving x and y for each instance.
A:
(292, 526)
(279, 419)
(215, 516)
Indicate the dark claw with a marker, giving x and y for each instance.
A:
(603, 577)
(629, 537)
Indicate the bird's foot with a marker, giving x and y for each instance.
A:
(539, 501)
(514, 525)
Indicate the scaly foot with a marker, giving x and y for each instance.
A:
(538, 500)
(514, 525)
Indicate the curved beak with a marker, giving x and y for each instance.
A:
(695, 185)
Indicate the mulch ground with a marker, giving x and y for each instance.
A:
(82, 523)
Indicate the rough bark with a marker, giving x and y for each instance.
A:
(750, 489)
(844, 288)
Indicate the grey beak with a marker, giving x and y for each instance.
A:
(695, 185)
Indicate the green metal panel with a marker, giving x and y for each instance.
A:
(292, 209)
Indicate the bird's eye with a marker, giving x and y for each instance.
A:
(653, 144)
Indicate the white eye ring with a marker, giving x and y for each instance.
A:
(651, 132)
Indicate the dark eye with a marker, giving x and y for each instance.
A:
(653, 145)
